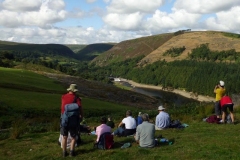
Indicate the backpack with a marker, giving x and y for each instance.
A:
(175, 124)
(213, 119)
(70, 116)
(229, 120)
(105, 141)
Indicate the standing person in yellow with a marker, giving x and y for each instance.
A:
(219, 90)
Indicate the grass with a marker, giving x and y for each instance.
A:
(198, 141)
(30, 104)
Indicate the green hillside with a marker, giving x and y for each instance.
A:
(91, 51)
(29, 119)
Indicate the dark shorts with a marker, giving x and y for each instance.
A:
(73, 131)
(229, 106)
(217, 108)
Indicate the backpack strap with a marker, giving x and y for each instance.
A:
(75, 99)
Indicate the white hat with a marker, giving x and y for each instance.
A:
(73, 88)
(139, 113)
(160, 108)
(221, 83)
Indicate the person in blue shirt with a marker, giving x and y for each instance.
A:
(162, 119)
(139, 119)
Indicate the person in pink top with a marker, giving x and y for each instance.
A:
(226, 102)
(103, 128)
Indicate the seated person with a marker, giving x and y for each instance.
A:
(103, 128)
(145, 133)
(119, 131)
(139, 118)
(130, 125)
(110, 123)
(162, 119)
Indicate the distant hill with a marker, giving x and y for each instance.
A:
(46, 49)
(153, 47)
(89, 52)
(75, 47)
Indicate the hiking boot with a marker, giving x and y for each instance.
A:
(65, 153)
(72, 154)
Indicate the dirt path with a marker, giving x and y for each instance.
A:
(200, 98)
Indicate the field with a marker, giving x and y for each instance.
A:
(30, 105)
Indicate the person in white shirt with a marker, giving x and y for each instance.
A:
(130, 125)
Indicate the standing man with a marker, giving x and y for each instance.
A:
(70, 124)
(219, 90)
(145, 133)
(162, 119)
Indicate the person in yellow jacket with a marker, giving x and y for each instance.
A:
(219, 90)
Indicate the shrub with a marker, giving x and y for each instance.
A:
(18, 128)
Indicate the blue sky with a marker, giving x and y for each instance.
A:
(102, 21)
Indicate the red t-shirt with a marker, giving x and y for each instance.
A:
(225, 100)
(67, 99)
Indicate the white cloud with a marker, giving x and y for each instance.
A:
(225, 20)
(35, 21)
(55, 4)
(49, 12)
(124, 21)
(131, 6)
(21, 5)
(164, 22)
(205, 6)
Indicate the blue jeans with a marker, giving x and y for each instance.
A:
(119, 131)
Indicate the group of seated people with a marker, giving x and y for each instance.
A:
(142, 130)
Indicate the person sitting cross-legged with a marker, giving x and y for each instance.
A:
(145, 133)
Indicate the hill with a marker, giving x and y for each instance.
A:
(153, 47)
(132, 48)
(91, 51)
(217, 41)
(29, 49)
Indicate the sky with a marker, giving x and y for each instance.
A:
(104, 21)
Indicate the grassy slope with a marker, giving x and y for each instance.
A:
(217, 41)
(198, 141)
(132, 48)
(153, 47)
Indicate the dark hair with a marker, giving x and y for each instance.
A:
(145, 117)
(103, 120)
(129, 113)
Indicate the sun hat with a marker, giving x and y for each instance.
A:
(161, 108)
(221, 83)
(73, 88)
